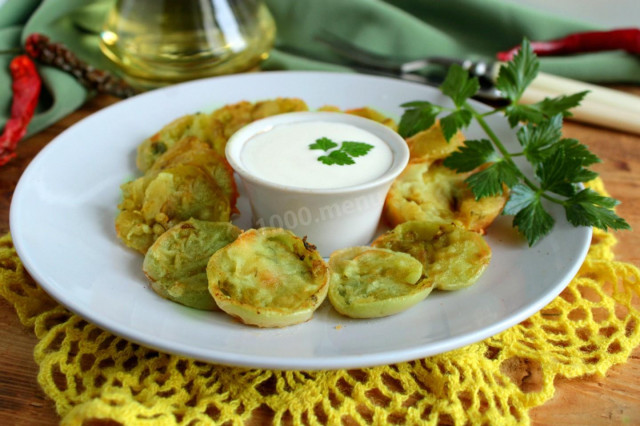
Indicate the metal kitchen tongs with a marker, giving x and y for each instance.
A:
(428, 71)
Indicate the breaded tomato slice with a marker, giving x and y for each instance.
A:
(268, 277)
(150, 206)
(199, 125)
(434, 192)
(191, 150)
(452, 257)
(369, 282)
(176, 263)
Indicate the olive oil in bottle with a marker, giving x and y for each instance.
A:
(160, 42)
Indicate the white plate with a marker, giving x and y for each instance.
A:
(62, 223)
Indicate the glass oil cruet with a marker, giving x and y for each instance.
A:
(160, 42)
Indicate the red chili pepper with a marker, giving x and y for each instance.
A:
(593, 41)
(26, 89)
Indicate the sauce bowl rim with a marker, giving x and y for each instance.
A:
(395, 142)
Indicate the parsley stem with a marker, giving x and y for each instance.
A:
(550, 198)
(494, 138)
(491, 112)
(505, 154)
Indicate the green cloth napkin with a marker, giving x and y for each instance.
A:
(473, 29)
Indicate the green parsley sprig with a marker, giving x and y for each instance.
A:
(343, 155)
(560, 165)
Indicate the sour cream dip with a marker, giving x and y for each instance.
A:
(282, 155)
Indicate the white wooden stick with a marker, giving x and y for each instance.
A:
(601, 106)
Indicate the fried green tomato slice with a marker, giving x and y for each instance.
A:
(452, 257)
(199, 125)
(369, 282)
(268, 277)
(425, 191)
(193, 151)
(176, 263)
(151, 206)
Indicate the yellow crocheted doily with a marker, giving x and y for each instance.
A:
(92, 374)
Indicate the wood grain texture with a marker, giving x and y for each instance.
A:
(614, 399)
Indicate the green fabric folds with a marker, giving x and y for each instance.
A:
(473, 29)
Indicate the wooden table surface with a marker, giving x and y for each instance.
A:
(614, 399)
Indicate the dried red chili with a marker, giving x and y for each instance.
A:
(25, 87)
(627, 39)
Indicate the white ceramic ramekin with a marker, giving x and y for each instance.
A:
(331, 219)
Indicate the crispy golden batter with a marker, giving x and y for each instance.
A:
(452, 257)
(369, 282)
(269, 278)
(151, 205)
(215, 128)
(430, 145)
(176, 263)
(433, 192)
